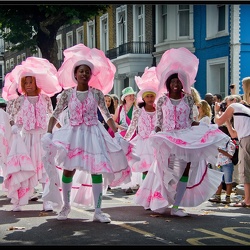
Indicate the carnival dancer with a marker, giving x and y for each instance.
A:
(83, 148)
(179, 176)
(143, 120)
(36, 81)
(5, 138)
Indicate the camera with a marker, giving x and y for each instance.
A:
(223, 107)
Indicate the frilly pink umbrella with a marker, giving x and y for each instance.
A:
(103, 70)
(180, 61)
(44, 71)
(147, 82)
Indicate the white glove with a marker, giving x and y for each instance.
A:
(48, 135)
(118, 137)
(152, 133)
(14, 129)
(46, 141)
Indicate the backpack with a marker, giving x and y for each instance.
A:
(235, 158)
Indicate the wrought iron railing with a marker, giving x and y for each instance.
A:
(130, 48)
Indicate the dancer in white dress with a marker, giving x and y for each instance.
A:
(84, 145)
(180, 176)
(36, 82)
(5, 138)
(143, 120)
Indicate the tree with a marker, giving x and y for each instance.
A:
(32, 26)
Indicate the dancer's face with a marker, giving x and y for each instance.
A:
(30, 86)
(83, 74)
(175, 85)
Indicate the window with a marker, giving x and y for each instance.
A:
(217, 75)
(79, 35)
(38, 53)
(104, 33)
(221, 17)
(69, 39)
(216, 21)
(164, 21)
(140, 23)
(18, 60)
(1, 74)
(23, 57)
(139, 28)
(121, 25)
(59, 48)
(173, 24)
(91, 34)
(12, 63)
(7, 65)
(183, 20)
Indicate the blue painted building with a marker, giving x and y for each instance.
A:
(217, 34)
(222, 48)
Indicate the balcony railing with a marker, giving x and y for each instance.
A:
(129, 48)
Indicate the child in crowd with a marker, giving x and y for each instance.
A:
(224, 164)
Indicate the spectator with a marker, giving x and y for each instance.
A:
(240, 130)
(217, 98)
(232, 88)
(246, 91)
(116, 100)
(210, 99)
(123, 116)
(197, 99)
(205, 112)
(224, 164)
(3, 104)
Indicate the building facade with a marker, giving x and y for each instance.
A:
(135, 36)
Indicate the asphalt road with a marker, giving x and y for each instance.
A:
(208, 225)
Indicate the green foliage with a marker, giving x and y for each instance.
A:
(24, 25)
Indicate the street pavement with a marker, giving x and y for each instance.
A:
(208, 225)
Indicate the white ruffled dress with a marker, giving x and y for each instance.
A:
(144, 123)
(85, 145)
(178, 144)
(5, 139)
(24, 167)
